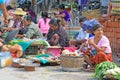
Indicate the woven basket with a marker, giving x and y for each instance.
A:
(71, 61)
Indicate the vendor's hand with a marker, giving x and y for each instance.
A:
(6, 28)
(54, 13)
(1, 43)
(90, 42)
(4, 48)
(19, 36)
(6, 22)
(84, 44)
(1, 40)
(10, 29)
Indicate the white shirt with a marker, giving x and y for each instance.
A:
(82, 35)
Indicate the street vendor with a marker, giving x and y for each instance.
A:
(31, 29)
(18, 19)
(99, 49)
(63, 15)
(57, 36)
(82, 34)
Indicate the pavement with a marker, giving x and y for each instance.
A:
(46, 72)
(42, 73)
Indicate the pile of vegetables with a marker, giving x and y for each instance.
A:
(40, 42)
(17, 41)
(101, 69)
(112, 73)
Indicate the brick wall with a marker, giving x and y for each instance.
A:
(112, 31)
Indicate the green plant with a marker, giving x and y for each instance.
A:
(73, 5)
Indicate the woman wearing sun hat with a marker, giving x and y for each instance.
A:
(18, 19)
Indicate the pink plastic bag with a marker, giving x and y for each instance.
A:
(71, 49)
(55, 51)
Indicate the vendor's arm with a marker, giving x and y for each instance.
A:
(20, 36)
(61, 15)
(54, 40)
(81, 41)
(5, 14)
(82, 37)
(29, 34)
(109, 10)
(103, 48)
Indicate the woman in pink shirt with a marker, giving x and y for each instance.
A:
(99, 48)
(43, 23)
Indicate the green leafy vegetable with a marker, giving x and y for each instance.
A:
(102, 67)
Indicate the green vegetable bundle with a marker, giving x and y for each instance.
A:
(15, 41)
(40, 42)
(103, 67)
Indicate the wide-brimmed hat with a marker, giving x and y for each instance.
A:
(19, 11)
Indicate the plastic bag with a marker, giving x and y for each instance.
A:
(5, 59)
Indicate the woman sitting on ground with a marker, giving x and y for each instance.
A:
(31, 30)
(57, 36)
(99, 48)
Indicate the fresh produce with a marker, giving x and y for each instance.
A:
(15, 41)
(101, 68)
(117, 76)
(68, 53)
(112, 73)
(40, 42)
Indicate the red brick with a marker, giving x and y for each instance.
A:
(112, 18)
(117, 45)
(118, 41)
(116, 29)
(118, 50)
(117, 35)
(109, 29)
(113, 24)
(112, 40)
(117, 18)
(109, 34)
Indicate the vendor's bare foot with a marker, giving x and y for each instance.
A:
(89, 69)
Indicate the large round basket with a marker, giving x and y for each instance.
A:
(71, 63)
